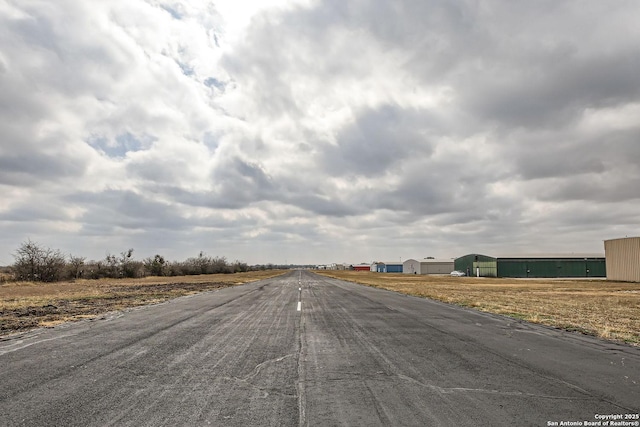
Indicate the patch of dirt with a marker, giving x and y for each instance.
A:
(114, 298)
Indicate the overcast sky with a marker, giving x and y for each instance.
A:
(318, 131)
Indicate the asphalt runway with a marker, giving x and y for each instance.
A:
(302, 349)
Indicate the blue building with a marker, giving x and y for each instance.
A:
(389, 267)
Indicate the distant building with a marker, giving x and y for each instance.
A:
(389, 267)
(436, 266)
(477, 265)
(542, 266)
(623, 259)
(362, 267)
(427, 266)
(548, 266)
(411, 266)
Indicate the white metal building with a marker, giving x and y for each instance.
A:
(436, 266)
(428, 266)
(411, 266)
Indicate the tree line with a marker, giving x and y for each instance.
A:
(34, 262)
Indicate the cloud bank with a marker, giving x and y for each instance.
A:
(314, 132)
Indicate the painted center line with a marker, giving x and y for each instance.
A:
(299, 305)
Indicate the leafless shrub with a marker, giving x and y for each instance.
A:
(75, 266)
(36, 263)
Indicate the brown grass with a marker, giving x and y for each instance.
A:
(606, 309)
(28, 305)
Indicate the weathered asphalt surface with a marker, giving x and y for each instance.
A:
(353, 356)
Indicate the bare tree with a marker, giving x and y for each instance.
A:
(27, 261)
(111, 266)
(53, 265)
(156, 266)
(36, 263)
(128, 267)
(76, 266)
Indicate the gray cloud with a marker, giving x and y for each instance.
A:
(32, 168)
(112, 209)
(555, 91)
(378, 139)
(355, 130)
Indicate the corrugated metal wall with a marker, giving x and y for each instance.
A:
(487, 269)
(596, 268)
(550, 267)
(531, 267)
(467, 264)
(411, 266)
(512, 268)
(623, 259)
(464, 262)
(394, 268)
(382, 267)
(444, 267)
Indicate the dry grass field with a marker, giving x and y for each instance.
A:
(609, 310)
(28, 305)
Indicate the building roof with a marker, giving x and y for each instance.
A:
(475, 254)
(551, 256)
(624, 238)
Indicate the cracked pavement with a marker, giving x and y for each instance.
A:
(353, 356)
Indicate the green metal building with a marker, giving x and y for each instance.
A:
(547, 266)
(476, 265)
(543, 266)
